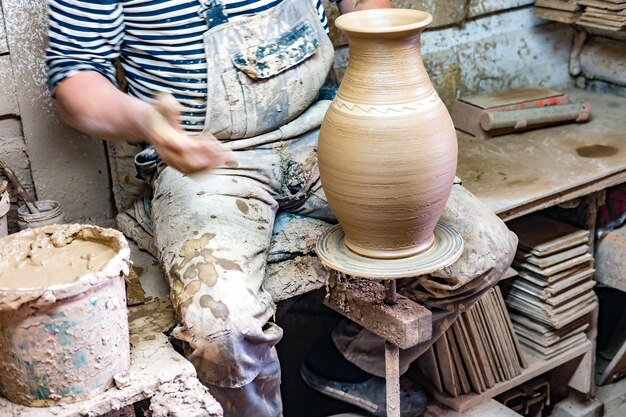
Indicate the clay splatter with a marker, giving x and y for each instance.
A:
(242, 206)
(596, 151)
(218, 308)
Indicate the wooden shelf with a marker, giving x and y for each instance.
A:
(536, 367)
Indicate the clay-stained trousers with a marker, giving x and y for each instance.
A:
(213, 232)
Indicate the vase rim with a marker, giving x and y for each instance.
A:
(374, 21)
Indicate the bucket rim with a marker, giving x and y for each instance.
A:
(118, 265)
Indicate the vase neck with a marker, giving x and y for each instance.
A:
(385, 70)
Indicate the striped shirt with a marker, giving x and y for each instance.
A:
(159, 43)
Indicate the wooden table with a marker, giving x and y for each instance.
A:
(522, 173)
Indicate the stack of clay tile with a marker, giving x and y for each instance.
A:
(604, 14)
(551, 298)
(564, 11)
(478, 351)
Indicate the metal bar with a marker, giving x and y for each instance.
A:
(391, 297)
(392, 378)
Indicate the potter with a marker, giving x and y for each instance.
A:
(212, 233)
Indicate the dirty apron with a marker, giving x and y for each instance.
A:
(213, 231)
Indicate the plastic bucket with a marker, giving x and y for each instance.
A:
(49, 213)
(64, 343)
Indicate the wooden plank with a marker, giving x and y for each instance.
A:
(559, 278)
(556, 349)
(557, 318)
(446, 367)
(543, 289)
(482, 349)
(502, 348)
(543, 236)
(511, 331)
(427, 364)
(536, 366)
(547, 261)
(468, 356)
(405, 324)
(458, 363)
(553, 299)
(552, 270)
(508, 348)
(498, 366)
(551, 338)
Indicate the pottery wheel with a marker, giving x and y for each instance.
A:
(333, 253)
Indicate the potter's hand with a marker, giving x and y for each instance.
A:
(178, 150)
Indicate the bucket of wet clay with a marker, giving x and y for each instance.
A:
(63, 318)
(49, 213)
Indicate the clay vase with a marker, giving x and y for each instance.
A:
(387, 146)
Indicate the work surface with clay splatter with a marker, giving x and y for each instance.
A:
(511, 171)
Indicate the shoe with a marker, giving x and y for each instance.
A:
(369, 395)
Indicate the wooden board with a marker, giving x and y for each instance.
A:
(554, 320)
(551, 260)
(497, 366)
(468, 358)
(482, 350)
(557, 348)
(537, 279)
(568, 5)
(603, 5)
(553, 270)
(542, 236)
(548, 341)
(512, 335)
(562, 284)
(446, 367)
(458, 363)
(561, 16)
(554, 299)
(536, 366)
(428, 367)
(510, 97)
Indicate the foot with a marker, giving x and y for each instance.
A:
(369, 395)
